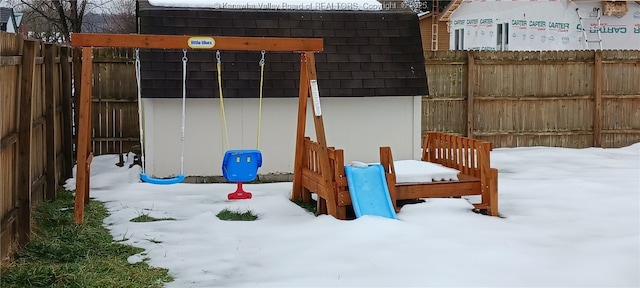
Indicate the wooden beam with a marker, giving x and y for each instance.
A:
(8, 140)
(67, 119)
(24, 140)
(446, 14)
(10, 60)
(318, 122)
(189, 42)
(493, 193)
(597, 99)
(303, 98)
(7, 220)
(49, 65)
(470, 82)
(77, 89)
(84, 136)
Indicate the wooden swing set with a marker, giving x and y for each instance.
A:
(317, 167)
(308, 87)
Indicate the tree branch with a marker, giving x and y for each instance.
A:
(63, 20)
(38, 10)
(83, 8)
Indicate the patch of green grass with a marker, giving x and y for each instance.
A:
(147, 218)
(237, 215)
(310, 206)
(63, 254)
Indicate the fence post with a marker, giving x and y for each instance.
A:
(597, 99)
(77, 89)
(49, 116)
(470, 83)
(67, 121)
(24, 138)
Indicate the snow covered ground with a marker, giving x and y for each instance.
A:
(570, 218)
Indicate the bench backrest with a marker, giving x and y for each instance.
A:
(311, 161)
(469, 156)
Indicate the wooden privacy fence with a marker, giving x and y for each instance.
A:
(35, 130)
(549, 98)
(115, 128)
(518, 98)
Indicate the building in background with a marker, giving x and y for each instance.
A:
(434, 32)
(8, 21)
(537, 25)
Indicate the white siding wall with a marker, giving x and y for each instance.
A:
(543, 25)
(357, 125)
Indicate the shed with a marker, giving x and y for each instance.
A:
(371, 78)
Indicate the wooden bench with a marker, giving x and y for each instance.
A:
(470, 157)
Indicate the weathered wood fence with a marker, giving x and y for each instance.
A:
(35, 130)
(549, 98)
(115, 103)
(37, 152)
(552, 98)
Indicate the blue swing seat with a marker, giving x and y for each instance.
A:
(241, 165)
(145, 178)
(168, 181)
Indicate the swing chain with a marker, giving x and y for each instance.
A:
(139, 99)
(137, 63)
(218, 56)
(184, 93)
(262, 59)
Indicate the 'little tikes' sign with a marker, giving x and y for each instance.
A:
(201, 42)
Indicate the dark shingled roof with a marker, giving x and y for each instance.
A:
(5, 17)
(366, 53)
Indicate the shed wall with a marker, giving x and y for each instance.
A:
(356, 124)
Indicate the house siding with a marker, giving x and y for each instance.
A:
(545, 25)
(426, 30)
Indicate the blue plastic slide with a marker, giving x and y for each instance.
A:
(369, 191)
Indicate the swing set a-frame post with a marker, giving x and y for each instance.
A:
(306, 46)
(308, 87)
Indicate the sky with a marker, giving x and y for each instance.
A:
(570, 218)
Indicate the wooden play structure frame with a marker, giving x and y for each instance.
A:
(308, 86)
(469, 156)
(317, 168)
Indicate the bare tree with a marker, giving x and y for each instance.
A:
(55, 20)
(121, 18)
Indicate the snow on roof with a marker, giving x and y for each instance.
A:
(423, 13)
(274, 4)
